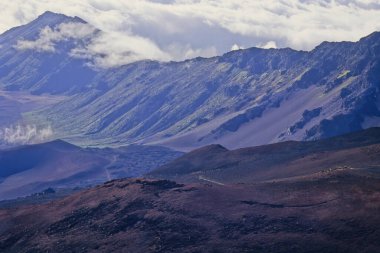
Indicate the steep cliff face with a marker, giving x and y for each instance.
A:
(243, 98)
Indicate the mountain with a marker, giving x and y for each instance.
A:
(242, 98)
(32, 168)
(336, 211)
(43, 64)
(360, 150)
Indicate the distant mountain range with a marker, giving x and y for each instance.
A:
(243, 98)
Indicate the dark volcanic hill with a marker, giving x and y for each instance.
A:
(332, 212)
(32, 168)
(242, 98)
(275, 161)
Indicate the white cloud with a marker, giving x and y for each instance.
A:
(236, 47)
(114, 49)
(186, 51)
(177, 29)
(48, 37)
(102, 49)
(25, 134)
(269, 44)
(42, 44)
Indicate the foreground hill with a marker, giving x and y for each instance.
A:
(334, 211)
(275, 161)
(243, 98)
(32, 168)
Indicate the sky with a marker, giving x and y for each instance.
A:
(182, 29)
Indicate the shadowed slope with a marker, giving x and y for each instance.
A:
(280, 160)
(23, 158)
(32, 168)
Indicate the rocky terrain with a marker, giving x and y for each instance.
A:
(332, 211)
(45, 196)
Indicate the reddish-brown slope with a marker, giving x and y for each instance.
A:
(331, 211)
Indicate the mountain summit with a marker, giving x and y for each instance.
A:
(32, 29)
(36, 56)
(50, 17)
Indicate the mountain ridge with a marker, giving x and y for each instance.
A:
(242, 98)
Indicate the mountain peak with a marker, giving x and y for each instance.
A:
(373, 37)
(50, 14)
(31, 30)
(59, 144)
(53, 16)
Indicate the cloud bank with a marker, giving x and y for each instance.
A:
(180, 29)
(111, 49)
(48, 36)
(25, 134)
(102, 49)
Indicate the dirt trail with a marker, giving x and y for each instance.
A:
(272, 205)
(210, 180)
